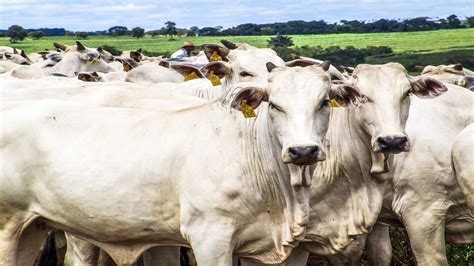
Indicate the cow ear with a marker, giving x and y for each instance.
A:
(164, 64)
(221, 69)
(346, 95)
(100, 50)
(209, 50)
(137, 56)
(300, 63)
(25, 56)
(186, 70)
(325, 65)
(458, 67)
(252, 95)
(80, 46)
(425, 87)
(139, 51)
(230, 45)
(270, 66)
(59, 46)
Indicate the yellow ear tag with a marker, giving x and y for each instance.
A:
(463, 83)
(126, 67)
(215, 57)
(215, 80)
(191, 76)
(333, 103)
(95, 62)
(247, 110)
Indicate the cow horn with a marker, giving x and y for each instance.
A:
(270, 66)
(325, 65)
(80, 46)
(229, 44)
(59, 46)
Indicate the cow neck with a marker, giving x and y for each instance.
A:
(348, 163)
(273, 177)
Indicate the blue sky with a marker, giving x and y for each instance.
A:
(87, 15)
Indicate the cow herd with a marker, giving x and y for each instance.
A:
(246, 159)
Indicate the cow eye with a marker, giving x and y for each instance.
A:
(245, 74)
(275, 107)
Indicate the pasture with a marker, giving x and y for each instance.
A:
(401, 42)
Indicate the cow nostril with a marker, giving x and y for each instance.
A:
(313, 151)
(293, 152)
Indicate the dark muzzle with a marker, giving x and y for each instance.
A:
(304, 155)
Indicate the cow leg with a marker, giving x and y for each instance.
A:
(351, 254)
(82, 252)
(378, 245)
(426, 234)
(162, 256)
(11, 228)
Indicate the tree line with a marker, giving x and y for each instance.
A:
(294, 27)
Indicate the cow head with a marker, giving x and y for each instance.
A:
(241, 63)
(298, 108)
(383, 116)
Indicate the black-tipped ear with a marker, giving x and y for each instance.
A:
(425, 87)
(325, 65)
(229, 44)
(139, 50)
(99, 49)
(15, 51)
(59, 46)
(164, 64)
(458, 67)
(80, 46)
(270, 66)
(252, 95)
(346, 95)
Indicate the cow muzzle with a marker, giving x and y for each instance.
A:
(392, 144)
(303, 155)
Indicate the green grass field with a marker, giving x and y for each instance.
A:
(420, 42)
(410, 48)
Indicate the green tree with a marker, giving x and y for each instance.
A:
(36, 35)
(138, 32)
(118, 31)
(171, 28)
(81, 35)
(280, 41)
(193, 31)
(16, 33)
(454, 21)
(470, 21)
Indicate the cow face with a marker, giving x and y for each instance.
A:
(298, 109)
(245, 63)
(387, 89)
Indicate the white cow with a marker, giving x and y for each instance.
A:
(84, 59)
(348, 188)
(263, 220)
(424, 195)
(463, 162)
(453, 74)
